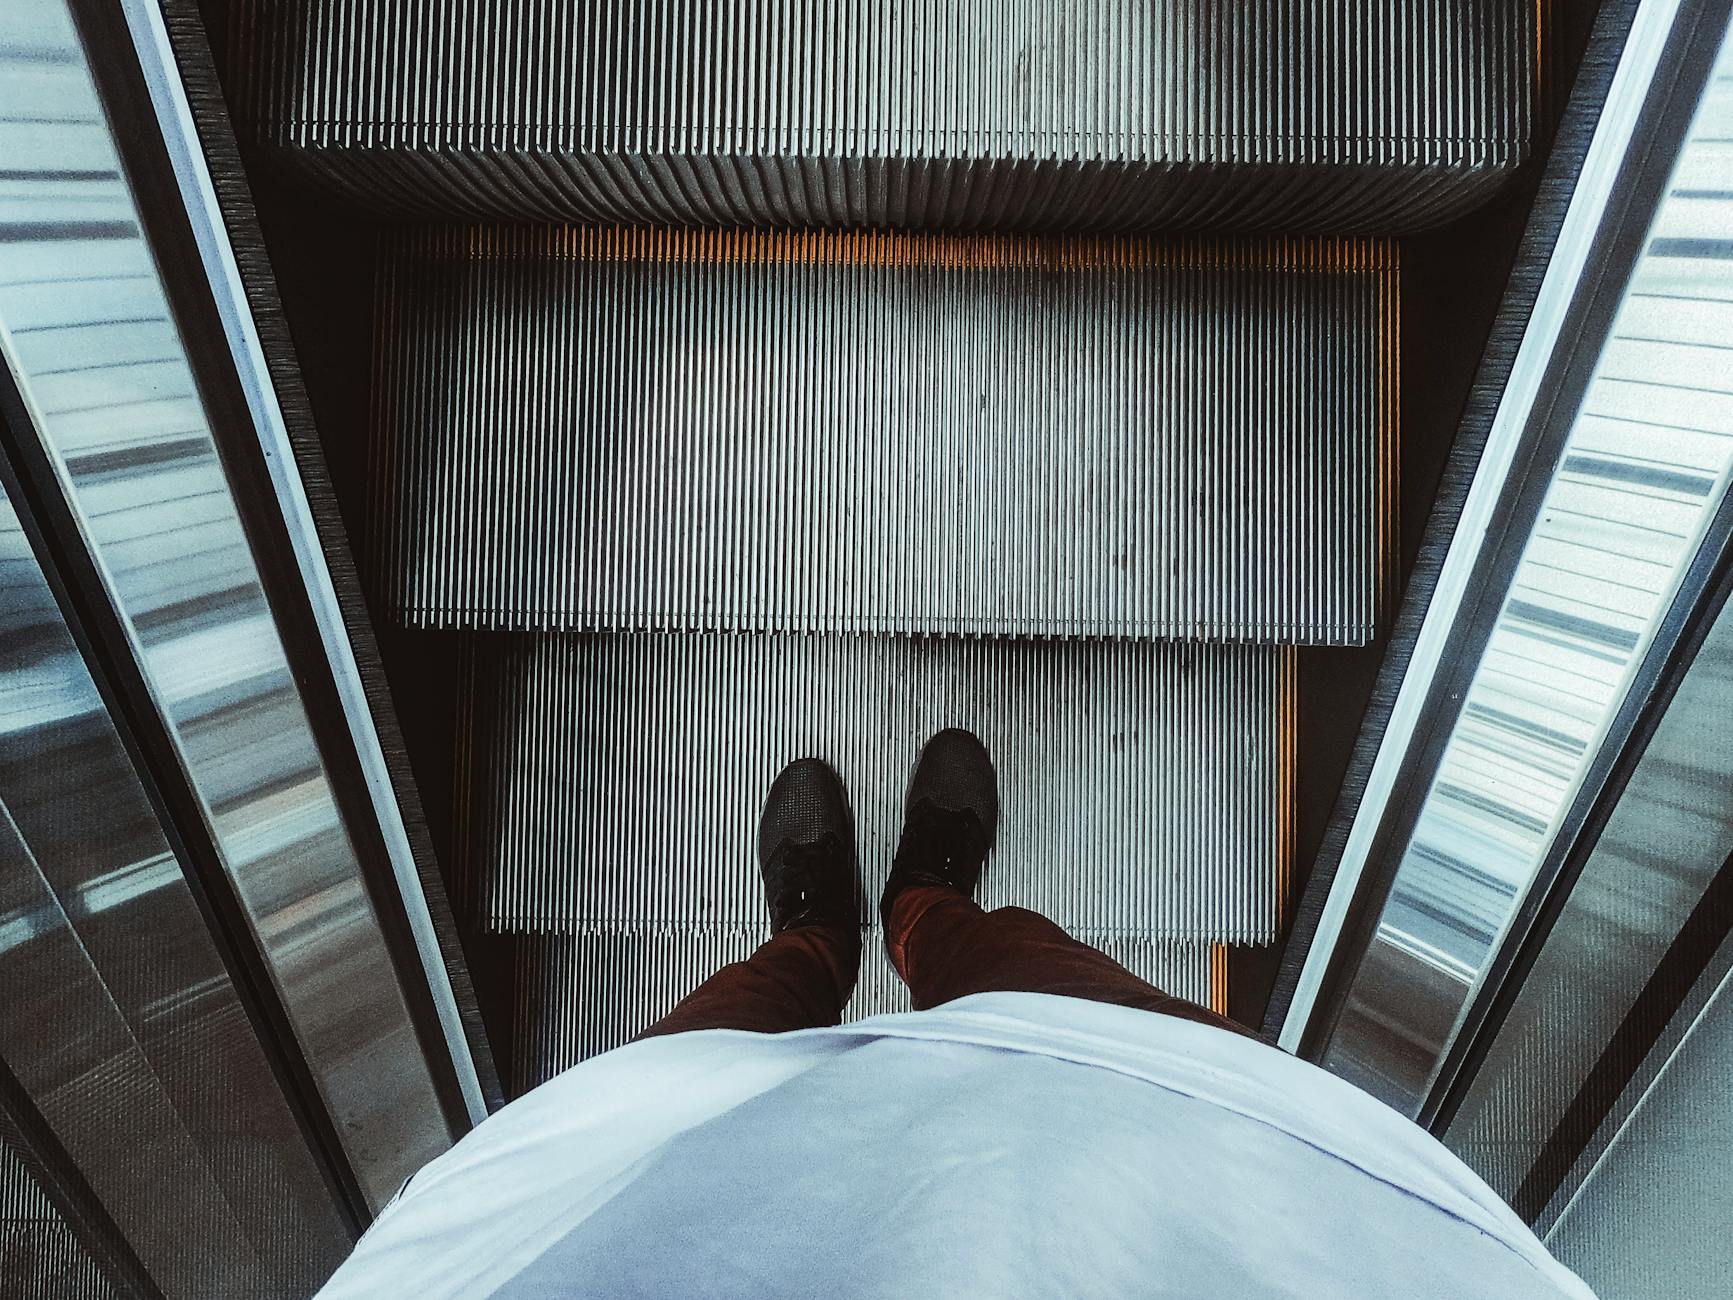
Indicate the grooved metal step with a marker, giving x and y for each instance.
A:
(1078, 114)
(616, 781)
(626, 429)
(43, 1253)
(578, 996)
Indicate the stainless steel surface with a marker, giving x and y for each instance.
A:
(40, 1256)
(1570, 254)
(1645, 465)
(616, 781)
(119, 1019)
(1510, 425)
(86, 331)
(174, 119)
(1649, 1218)
(576, 996)
(1670, 833)
(628, 429)
(1370, 114)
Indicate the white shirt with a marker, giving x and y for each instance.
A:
(1006, 1144)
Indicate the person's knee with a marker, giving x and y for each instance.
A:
(1020, 924)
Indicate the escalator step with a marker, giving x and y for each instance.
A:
(578, 996)
(626, 429)
(1012, 114)
(616, 781)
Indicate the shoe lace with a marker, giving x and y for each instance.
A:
(934, 839)
(803, 866)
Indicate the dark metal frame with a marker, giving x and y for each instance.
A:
(1643, 176)
(1552, 199)
(1588, 316)
(1708, 580)
(1668, 107)
(187, 25)
(98, 629)
(150, 171)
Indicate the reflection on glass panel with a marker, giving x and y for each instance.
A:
(1662, 846)
(87, 331)
(119, 1020)
(1644, 468)
(1649, 1219)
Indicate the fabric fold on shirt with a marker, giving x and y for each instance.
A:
(654, 1169)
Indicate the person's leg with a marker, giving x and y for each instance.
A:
(798, 979)
(945, 946)
(803, 976)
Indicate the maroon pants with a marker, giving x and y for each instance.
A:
(944, 947)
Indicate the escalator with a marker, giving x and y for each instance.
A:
(864, 372)
(664, 389)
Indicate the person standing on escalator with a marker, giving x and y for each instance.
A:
(1043, 1124)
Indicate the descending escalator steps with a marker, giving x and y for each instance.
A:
(616, 781)
(1009, 114)
(627, 429)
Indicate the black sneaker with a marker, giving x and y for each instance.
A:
(806, 849)
(949, 821)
